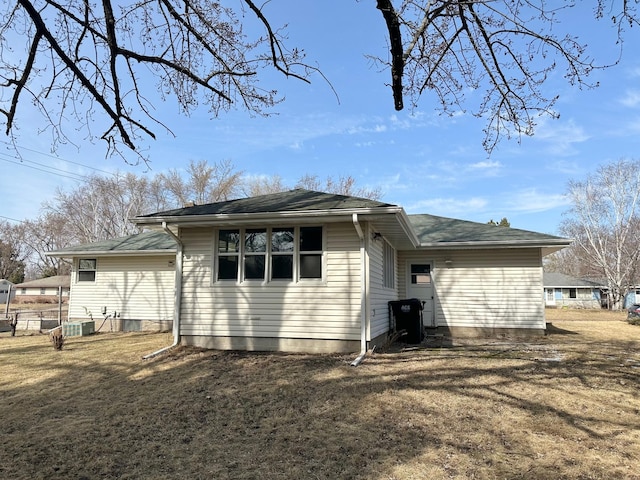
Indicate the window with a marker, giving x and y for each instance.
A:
(228, 254)
(282, 248)
(420, 274)
(43, 291)
(274, 254)
(255, 248)
(388, 266)
(87, 270)
(573, 293)
(24, 291)
(310, 252)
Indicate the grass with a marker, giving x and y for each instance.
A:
(566, 405)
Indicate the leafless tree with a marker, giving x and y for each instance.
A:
(203, 183)
(13, 255)
(74, 60)
(102, 207)
(604, 221)
(50, 231)
(343, 185)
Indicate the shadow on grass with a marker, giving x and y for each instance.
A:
(553, 330)
(229, 415)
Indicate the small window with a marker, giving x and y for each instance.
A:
(24, 291)
(87, 270)
(573, 293)
(310, 252)
(228, 254)
(388, 265)
(420, 274)
(43, 291)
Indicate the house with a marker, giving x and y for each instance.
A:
(562, 290)
(315, 272)
(123, 284)
(43, 290)
(7, 291)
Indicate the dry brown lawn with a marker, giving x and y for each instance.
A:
(566, 405)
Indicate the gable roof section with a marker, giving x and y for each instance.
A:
(146, 243)
(442, 232)
(298, 200)
(47, 282)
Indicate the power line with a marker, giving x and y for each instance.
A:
(12, 219)
(57, 158)
(51, 170)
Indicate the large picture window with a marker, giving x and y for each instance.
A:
(310, 252)
(87, 270)
(228, 254)
(282, 249)
(255, 248)
(270, 254)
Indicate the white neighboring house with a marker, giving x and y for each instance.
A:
(43, 290)
(7, 291)
(123, 284)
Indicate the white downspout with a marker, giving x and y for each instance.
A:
(177, 295)
(363, 293)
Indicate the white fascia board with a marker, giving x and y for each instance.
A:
(255, 218)
(108, 253)
(500, 244)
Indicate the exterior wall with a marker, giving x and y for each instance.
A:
(585, 298)
(40, 295)
(140, 289)
(273, 315)
(379, 295)
(483, 291)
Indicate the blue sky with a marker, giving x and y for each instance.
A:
(423, 161)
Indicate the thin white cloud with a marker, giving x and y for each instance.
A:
(631, 98)
(449, 207)
(560, 137)
(532, 200)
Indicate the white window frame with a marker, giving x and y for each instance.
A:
(269, 254)
(80, 270)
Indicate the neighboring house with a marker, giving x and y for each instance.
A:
(124, 284)
(43, 290)
(7, 291)
(566, 291)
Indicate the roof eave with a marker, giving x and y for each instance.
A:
(251, 218)
(493, 244)
(103, 253)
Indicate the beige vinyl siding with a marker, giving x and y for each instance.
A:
(140, 288)
(378, 294)
(494, 288)
(313, 309)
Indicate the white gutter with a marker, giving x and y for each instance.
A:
(177, 295)
(363, 293)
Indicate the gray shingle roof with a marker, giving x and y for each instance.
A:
(48, 282)
(433, 230)
(146, 242)
(555, 279)
(298, 200)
